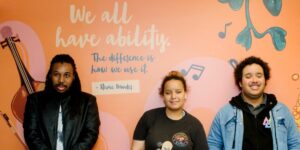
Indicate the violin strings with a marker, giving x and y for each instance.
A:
(20, 65)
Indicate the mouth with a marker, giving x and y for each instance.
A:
(174, 101)
(254, 87)
(60, 87)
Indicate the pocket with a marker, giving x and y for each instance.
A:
(281, 130)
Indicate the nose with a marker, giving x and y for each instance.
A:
(61, 79)
(254, 79)
(173, 95)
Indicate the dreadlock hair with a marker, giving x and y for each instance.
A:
(75, 89)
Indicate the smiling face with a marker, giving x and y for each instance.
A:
(174, 95)
(62, 76)
(253, 82)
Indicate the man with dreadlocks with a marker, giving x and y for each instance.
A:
(61, 117)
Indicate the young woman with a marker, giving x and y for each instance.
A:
(170, 127)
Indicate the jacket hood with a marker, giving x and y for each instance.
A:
(238, 101)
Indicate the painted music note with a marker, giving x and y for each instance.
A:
(198, 68)
(223, 34)
(232, 62)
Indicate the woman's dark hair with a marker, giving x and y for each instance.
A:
(238, 72)
(172, 75)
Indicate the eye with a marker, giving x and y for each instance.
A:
(259, 75)
(67, 75)
(179, 91)
(247, 76)
(167, 93)
(55, 74)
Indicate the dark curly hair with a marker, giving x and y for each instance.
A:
(238, 72)
(172, 75)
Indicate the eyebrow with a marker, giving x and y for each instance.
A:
(252, 73)
(174, 89)
(55, 71)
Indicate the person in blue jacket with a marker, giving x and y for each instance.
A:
(253, 120)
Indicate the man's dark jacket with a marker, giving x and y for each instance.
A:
(80, 131)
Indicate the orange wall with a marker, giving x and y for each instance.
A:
(164, 35)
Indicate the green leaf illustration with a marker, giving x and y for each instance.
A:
(278, 37)
(273, 6)
(244, 38)
(234, 4)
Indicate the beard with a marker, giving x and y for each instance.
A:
(252, 97)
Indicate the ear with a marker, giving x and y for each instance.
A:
(240, 84)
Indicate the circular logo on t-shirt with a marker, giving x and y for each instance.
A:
(180, 139)
(167, 145)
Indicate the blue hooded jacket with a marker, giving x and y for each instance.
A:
(227, 129)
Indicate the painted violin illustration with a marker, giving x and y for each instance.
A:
(28, 84)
